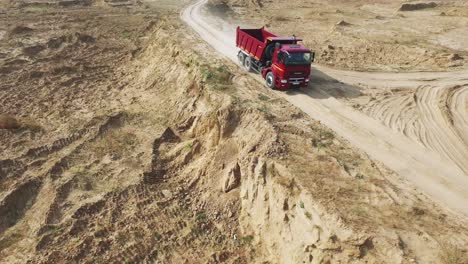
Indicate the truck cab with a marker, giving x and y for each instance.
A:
(289, 67)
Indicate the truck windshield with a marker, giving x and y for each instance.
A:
(298, 58)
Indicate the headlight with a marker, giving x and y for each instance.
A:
(284, 81)
(306, 80)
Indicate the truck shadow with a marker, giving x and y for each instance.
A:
(322, 86)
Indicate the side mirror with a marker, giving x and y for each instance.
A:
(312, 56)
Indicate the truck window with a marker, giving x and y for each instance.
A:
(298, 58)
(280, 56)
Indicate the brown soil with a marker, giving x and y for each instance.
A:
(377, 36)
(141, 146)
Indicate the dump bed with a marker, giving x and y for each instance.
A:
(253, 41)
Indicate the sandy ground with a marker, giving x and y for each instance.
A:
(365, 35)
(439, 172)
(125, 139)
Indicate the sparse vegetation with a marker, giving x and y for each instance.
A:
(126, 34)
(216, 75)
(358, 210)
(121, 238)
(263, 109)
(201, 217)
(149, 200)
(324, 138)
(188, 146)
(452, 254)
(263, 97)
(360, 176)
(115, 142)
(157, 236)
(247, 239)
(138, 234)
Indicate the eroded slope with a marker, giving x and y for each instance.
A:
(171, 155)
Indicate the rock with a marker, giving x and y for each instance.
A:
(8, 122)
(455, 57)
(343, 23)
(230, 214)
(330, 47)
(232, 178)
(416, 6)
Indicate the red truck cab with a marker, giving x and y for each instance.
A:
(282, 62)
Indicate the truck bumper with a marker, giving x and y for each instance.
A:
(290, 84)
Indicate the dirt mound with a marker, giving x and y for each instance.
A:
(416, 6)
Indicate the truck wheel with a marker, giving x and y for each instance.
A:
(270, 80)
(248, 63)
(240, 57)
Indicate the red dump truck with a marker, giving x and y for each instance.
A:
(282, 62)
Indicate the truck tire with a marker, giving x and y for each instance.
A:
(270, 80)
(248, 63)
(241, 58)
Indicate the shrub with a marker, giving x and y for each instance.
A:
(8, 122)
(324, 138)
(263, 97)
(248, 239)
(216, 75)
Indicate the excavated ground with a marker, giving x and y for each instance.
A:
(384, 48)
(137, 145)
(365, 35)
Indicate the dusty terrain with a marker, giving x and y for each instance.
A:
(429, 108)
(131, 141)
(366, 35)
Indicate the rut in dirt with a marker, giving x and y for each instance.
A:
(431, 172)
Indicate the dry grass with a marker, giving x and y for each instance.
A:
(452, 254)
(116, 143)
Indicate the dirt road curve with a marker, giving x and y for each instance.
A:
(437, 167)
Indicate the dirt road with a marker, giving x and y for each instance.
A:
(440, 172)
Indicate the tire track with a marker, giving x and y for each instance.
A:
(433, 116)
(428, 170)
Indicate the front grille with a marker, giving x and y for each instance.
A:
(298, 73)
(296, 79)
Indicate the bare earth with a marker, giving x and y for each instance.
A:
(441, 171)
(125, 138)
